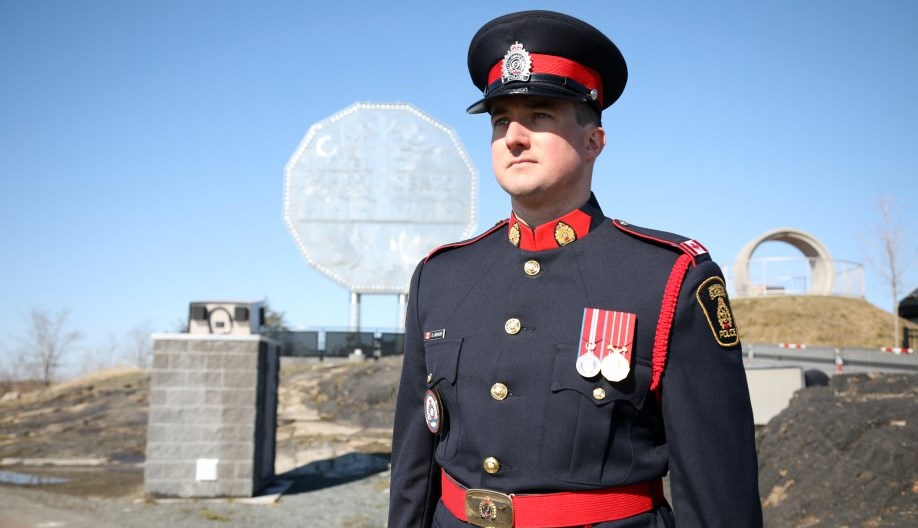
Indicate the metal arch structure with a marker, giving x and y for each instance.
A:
(817, 255)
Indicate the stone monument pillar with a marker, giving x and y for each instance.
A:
(213, 415)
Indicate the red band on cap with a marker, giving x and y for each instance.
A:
(560, 66)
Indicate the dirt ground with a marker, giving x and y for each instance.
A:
(93, 431)
(844, 455)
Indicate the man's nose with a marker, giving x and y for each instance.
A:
(517, 135)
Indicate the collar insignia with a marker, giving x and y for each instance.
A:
(564, 234)
(517, 64)
(514, 234)
(550, 235)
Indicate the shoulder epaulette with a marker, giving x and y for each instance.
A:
(688, 246)
(454, 245)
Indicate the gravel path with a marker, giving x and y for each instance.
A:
(358, 504)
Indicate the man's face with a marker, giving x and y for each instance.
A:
(540, 154)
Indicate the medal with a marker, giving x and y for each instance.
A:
(588, 365)
(605, 344)
(615, 367)
(618, 333)
(433, 411)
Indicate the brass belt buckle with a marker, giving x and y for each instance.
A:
(489, 509)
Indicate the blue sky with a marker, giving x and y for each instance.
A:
(142, 144)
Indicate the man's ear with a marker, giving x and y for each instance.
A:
(596, 141)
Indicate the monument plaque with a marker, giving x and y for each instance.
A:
(374, 188)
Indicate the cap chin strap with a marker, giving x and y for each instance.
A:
(565, 82)
(555, 69)
(578, 92)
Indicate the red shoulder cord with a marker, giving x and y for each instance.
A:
(667, 314)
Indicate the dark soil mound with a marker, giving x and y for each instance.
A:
(363, 394)
(843, 455)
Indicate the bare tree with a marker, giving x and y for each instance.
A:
(179, 325)
(99, 357)
(274, 320)
(138, 346)
(45, 344)
(890, 252)
(7, 371)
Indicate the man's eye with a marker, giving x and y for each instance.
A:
(541, 115)
(499, 122)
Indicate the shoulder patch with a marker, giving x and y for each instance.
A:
(688, 246)
(712, 298)
(454, 245)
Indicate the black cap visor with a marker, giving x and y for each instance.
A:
(533, 87)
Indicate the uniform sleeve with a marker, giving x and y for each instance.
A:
(707, 413)
(415, 483)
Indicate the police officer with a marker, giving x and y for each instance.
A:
(558, 365)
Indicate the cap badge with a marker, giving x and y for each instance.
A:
(517, 64)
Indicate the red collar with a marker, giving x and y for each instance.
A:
(550, 235)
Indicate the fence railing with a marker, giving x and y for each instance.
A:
(795, 276)
(843, 357)
(342, 344)
(337, 344)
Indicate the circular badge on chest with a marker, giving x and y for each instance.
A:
(433, 411)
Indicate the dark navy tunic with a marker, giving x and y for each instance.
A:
(551, 432)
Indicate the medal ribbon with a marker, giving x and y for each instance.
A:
(588, 332)
(602, 352)
(620, 334)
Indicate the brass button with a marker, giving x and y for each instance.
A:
(599, 393)
(532, 268)
(429, 378)
(513, 326)
(491, 465)
(499, 391)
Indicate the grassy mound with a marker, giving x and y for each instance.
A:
(815, 321)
